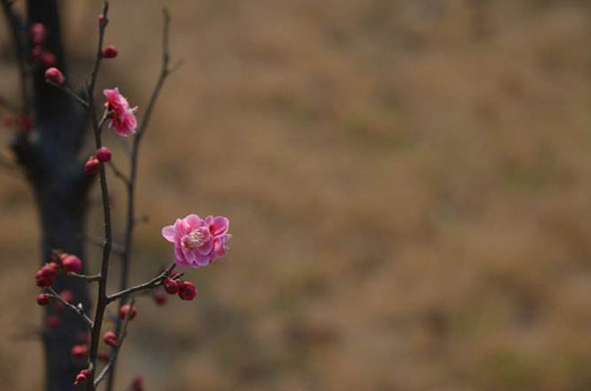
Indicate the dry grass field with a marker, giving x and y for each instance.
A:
(409, 184)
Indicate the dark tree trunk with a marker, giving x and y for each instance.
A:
(50, 156)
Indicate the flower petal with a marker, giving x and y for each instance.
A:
(219, 226)
(169, 233)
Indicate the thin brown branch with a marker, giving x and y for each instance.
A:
(87, 278)
(100, 242)
(154, 282)
(131, 220)
(102, 290)
(118, 173)
(115, 352)
(76, 308)
(67, 90)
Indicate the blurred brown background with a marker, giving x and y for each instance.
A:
(409, 184)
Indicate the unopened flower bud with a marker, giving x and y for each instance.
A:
(43, 299)
(79, 350)
(54, 75)
(45, 277)
(103, 356)
(103, 154)
(170, 286)
(159, 296)
(67, 296)
(47, 59)
(187, 291)
(137, 384)
(53, 321)
(91, 167)
(82, 376)
(103, 21)
(110, 338)
(127, 309)
(72, 264)
(110, 52)
(38, 33)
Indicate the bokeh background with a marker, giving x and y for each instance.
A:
(409, 184)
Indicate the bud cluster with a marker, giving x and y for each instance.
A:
(184, 289)
(64, 262)
(39, 52)
(92, 165)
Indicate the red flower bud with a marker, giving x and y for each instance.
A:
(38, 33)
(187, 291)
(137, 384)
(47, 59)
(91, 167)
(54, 75)
(72, 263)
(110, 338)
(103, 21)
(159, 297)
(103, 154)
(43, 299)
(127, 309)
(53, 321)
(45, 277)
(83, 337)
(103, 356)
(67, 296)
(82, 376)
(79, 351)
(170, 286)
(110, 52)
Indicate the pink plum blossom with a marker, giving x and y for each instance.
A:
(198, 242)
(121, 117)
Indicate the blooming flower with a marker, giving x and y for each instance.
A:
(121, 117)
(198, 242)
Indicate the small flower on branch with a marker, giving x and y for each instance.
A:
(198, 242)
(121, 117)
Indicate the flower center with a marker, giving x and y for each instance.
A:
(194, 239)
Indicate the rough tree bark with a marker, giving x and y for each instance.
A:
(50, 157)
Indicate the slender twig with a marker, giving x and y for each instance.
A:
(67, 90)
(131, 220)
(118, 173)
(76, 308)
(116, 248)
(102, 290)
(154, 282)
(87, 278)
(115, 351)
